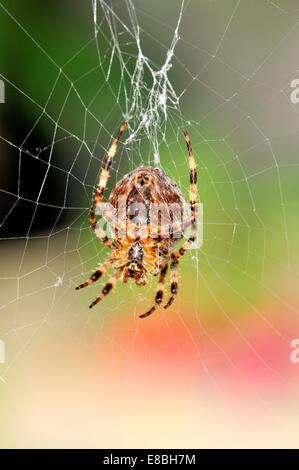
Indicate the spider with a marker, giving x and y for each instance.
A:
(132, 255)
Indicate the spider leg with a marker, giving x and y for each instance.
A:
(174, 282)
(110, 284)
(160, 292)
(96, 275)
(193, 187)
(105, 170)
(98, 230)
(101, 187)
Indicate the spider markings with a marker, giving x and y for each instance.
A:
(132, 255)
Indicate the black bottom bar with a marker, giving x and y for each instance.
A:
(137, 458)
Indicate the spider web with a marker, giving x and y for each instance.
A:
(221, 70)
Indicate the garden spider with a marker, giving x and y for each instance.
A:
(133, 255)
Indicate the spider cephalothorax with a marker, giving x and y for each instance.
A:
(135, 257)
(147, 214)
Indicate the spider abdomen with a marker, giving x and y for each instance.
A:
(150, 200)
(147, 183)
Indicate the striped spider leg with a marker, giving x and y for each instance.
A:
(98, 230)
(175, 255)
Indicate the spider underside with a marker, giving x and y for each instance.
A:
(142, 243)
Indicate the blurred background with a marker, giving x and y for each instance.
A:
(214, 370)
